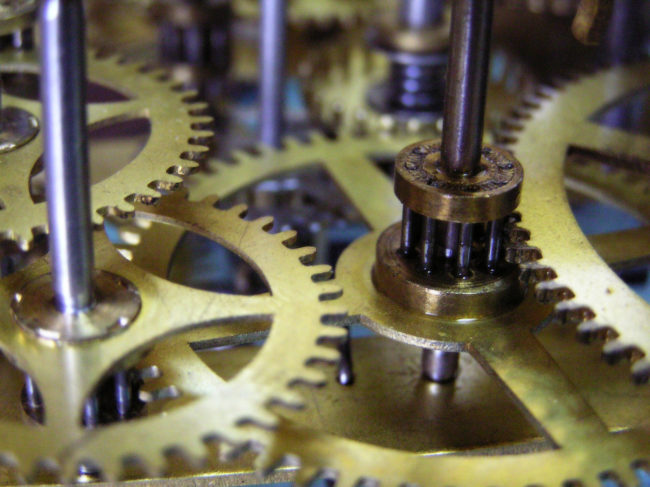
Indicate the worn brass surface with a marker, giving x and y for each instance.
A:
(116, 305)
(169, 152)
(66, 375)
(423, 184)
(555, 123)
(441, 293)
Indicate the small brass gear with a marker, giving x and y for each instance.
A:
(212, 408)
(174, 144)
(553, 123)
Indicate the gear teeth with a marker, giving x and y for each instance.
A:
(591, 331)
(328, 356)
(641, 371)
(265, 223)
(263, 419)
(310, 376)
(614, 351)
(241, 210)
(289, 399)
(321, 272)
(548, 292)
(329, 291)
(287, 238)
(570, 313)
(534, 272)
(306, 255)
(612, 479)
(518, 253)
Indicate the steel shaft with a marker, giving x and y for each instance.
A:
(420, 14)
(467, 75)
(63, 92)
(272, 70)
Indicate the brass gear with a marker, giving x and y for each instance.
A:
(173, 146)
(585, 290)
(348, 111)
(578, 447)
(211, 408)
(325, 13)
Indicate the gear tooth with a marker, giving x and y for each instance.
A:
(548, 292)
(321, 272)
(641, 371)
(211, 201)
(306, 255)
(168, 392)
(269, 461)
(310, 376)
(241, 210)
(590, 331)
(534, 272)
(264, 222)
(329, 291)
(335, 315)
(287, 237)
(202, 137)
(263, 419)
(292, 143)
(131, 467)
(518, 253)
(568, 312)
(289, 399)
(614, 479)
(614, 351)
(327, 355)
(197, 108)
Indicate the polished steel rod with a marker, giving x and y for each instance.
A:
(467, 75)
(420, 14)
(345, 372)
(63, 92)
(439, 365)
(272, 70)
(428, 250)
(493, 247)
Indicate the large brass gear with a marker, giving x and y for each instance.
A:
(212, 408)
(578, 444)
(174, 143)
(553, 124)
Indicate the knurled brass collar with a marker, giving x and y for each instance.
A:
(423, 186)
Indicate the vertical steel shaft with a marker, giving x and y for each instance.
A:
(467, 75)
(409, 236)
(438, 365)
(272, 66)
(428, 251)
(420, 14)
(465, 249)
(63, 92)
(493, 247)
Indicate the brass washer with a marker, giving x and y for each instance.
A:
(117, 304)
(422, 184)
(441, 294)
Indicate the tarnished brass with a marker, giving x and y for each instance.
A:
(116, 305)
(170, 150)
(442, 293)
(555, 123)
(67, 375)
(423, 185)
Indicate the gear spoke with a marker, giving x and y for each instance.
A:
(538, 385)
(607, 140)
(101, 114)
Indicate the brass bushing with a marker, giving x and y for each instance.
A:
(442, 294)
(422, 184)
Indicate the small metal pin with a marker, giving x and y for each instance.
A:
(438, 365)
(345, 372)
(91, 412)
(451, 239)
(410, 226)
(464, 249)
(493, 246)
(428, 249)
(122, 394)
